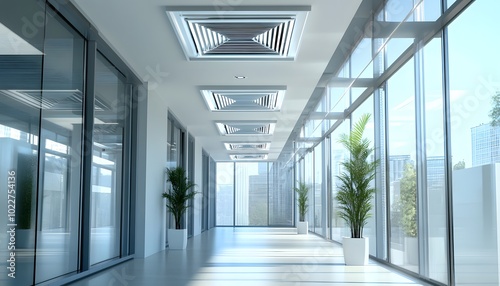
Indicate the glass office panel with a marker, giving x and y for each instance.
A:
(318, 189)
(402, 176)
(20, 104)
(251, 195)
(224, 196)
(107, 162)
(370, 228)
(61, 151)
(338, 155)
(435, 191)
(281, 195)
(474, 88)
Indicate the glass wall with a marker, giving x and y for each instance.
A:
(60, 151)
(224, 194)
(44, 77)
(107, 162)
(244, 197)
(434, 100)
(474, 88)
(21, 64)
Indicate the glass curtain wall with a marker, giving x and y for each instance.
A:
(474, 158)
(243, 196)
(434, 130)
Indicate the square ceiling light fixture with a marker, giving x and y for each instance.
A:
(248, 157)
(247, 146)
(246, 128)
(244, 99)
(239, 32)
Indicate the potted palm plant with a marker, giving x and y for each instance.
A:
(178, 198)
(302, 192)
(355, 191)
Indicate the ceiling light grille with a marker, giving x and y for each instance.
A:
(245, 128)
(278, 38)
(247, 146)
(244, 99)
(240, 33)
(249, 157)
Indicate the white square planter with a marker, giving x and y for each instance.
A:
(177, 238)
(355, 250)
(302, 227)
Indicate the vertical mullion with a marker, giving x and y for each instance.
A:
(421, 166)
(448, 162)
(234, 194)
(125, 203)
(88, 123)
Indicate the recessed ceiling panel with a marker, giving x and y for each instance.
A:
(245, 128)
(248, 157)
(247, 146)
(243, 99)
(240, 32)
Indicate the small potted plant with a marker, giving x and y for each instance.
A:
(302, 192)
(355, 191)
(178, 198)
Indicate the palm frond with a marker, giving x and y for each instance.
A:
(355, 192)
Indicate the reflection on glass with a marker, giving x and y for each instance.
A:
(309, 181)
(401, 156)
(281, 196)
(20, 71)
(61, 133)
(474, 87)
(107, 162)
(224, 203)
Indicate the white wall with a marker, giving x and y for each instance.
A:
(198, 179)
(152, 155)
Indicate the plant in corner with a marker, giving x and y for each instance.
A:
(177, 203)
(302, 191)
(355, 191)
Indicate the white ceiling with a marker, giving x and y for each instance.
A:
(141, 33)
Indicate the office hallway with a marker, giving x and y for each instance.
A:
(248, 256)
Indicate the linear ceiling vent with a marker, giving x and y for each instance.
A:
(239, 32)
(247, 146)
(245, 128)
(249, 157)
(243, 99)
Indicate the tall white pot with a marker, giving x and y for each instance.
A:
(356, 250)
(177, 238)
(302, 227)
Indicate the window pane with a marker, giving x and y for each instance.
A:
(318, 190)
(20, 71)
(474, 89)
(225, 194)
(434, 151)
(251, 194)
(339, 155)
(402, 175)
(281, 195)
(61, 137)
(107, 162)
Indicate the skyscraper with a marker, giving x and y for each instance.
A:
(485, 144)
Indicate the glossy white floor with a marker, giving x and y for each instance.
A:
(248, 256)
